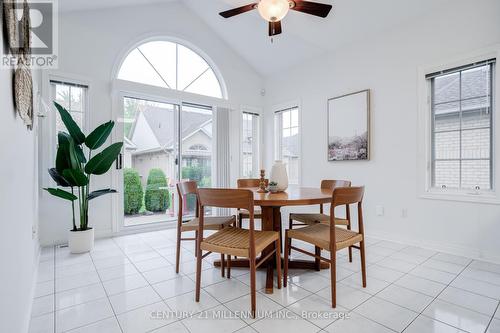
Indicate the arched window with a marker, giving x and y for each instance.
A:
(170, 65)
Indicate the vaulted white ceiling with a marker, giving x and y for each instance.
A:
(304, 36)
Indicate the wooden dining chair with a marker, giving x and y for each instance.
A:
(249, 183)
(186, 189)
(233, 241)
(332, 238)
(303, 219)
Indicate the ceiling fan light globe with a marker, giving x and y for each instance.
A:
(273, 10)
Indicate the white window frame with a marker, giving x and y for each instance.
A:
(424, 133)
(278, 132)
(257, 142)
(48, 142)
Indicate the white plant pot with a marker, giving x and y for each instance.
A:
(81, 241)
(279, 176)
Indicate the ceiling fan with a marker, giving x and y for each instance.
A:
(274, 11)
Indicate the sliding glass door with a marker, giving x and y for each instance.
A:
(163, 143)
(196, 148)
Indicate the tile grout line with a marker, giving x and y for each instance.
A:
(435, 298)
(393, 284)
(149, 284)
(492, 317)
(390, 284)
(446, 286)
(203, 288)
(163, 300)
(354, 272)
(107, 296)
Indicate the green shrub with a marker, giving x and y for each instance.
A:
(156, 199)
(202, 175)
(132, 191)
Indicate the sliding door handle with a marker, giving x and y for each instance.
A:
(119, 162)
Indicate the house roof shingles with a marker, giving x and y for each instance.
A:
(161, 122)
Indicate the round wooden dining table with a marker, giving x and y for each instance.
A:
(271, 204)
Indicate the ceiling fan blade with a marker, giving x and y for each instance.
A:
(239, 10)
(312, 8)
(274, 28)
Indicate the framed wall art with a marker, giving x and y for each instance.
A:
(349, 127)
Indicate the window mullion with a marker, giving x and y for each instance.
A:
(460, 126)
(490, 109)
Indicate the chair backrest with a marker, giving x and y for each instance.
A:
(187, 187)
(226, 198)
(250, 182)
(183, 189)
(347, 196)
(331, 183)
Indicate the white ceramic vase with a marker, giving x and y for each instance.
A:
(81, 241)
(279, 176)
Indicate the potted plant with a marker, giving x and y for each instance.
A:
(273, 187)
(75, 164)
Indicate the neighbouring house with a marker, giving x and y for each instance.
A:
(151, 141)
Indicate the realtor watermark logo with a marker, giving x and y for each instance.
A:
(32, 34)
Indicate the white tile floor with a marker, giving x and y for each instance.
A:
(128, 284)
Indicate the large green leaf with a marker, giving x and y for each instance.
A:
(63, 138)
(80, 154)
(67, 156)
(75, 177)
(57, 192)
(72, 127)
(100, 163)
(99, 136)
(98, 193)
(58, 178)
(62, 161)
(73, 155)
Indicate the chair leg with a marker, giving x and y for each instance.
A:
(228, 266)
(178, 251)
(363, 262)
(252, 285)
(278, 261)
(195, 243)
(350, 247)
(290, 227)
(240, 221)
(287, 254)
(222, 264)
(333, 277)
(317, 261)
(198, 275)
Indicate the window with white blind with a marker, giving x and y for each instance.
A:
(287, 141)
(73, 97)
(250, 145)
(462, 128)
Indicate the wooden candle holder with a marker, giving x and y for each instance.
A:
(262, 184)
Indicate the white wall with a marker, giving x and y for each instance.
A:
(92, 43)
(388, 65)
(18, 203)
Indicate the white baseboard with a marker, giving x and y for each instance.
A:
(468, 252)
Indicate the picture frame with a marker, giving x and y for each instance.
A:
(348, 127)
